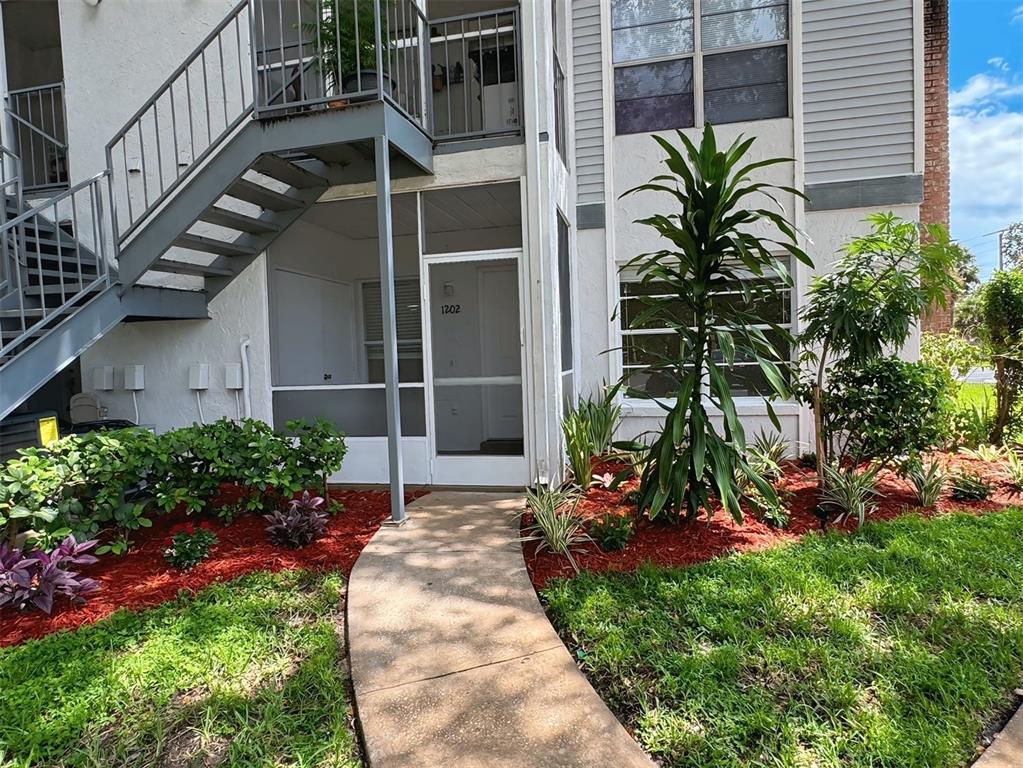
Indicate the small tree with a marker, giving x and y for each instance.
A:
(710, 249)
(1001, 327)
(882, 283)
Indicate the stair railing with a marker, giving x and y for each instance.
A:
(38, 122)
(78, 266)
(199, 105)
(10, 187)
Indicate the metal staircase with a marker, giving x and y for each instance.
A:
(233, 148)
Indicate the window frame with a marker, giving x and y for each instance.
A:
(696, 56)
(622, 333)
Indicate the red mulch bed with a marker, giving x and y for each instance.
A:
(662, 543)
(142, 578)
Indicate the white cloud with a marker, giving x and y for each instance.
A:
(999, 63)
(1017, 14)
(983, 91)
(986, 155)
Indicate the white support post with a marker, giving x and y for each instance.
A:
(387, 301)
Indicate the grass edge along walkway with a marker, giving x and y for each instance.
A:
(250, 672)
(893, 646)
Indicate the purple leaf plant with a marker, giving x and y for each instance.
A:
(37, 578)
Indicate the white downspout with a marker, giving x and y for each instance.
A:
(246, 395)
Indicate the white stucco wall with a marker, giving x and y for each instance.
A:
(168, 348)
(116, 54)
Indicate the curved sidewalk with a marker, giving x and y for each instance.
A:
(453, 660)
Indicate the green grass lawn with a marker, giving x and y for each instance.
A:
(977, 394)
(248, 673)
(895, 646)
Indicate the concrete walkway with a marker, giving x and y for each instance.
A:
(453, 660)
(1006, 751)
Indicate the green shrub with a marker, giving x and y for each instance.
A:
(886, 408)
(190, 547)
(83, 484)
(588, 429)
(612, 531)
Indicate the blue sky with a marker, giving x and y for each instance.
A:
(986, 122)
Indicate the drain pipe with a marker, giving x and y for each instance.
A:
(246, 394)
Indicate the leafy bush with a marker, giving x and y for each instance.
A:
(953, 353)
(612, 531)
(37, 578)
(774, 515)
(885, 408)
(1001, 329)
(971, 423)
(555, 525)
(190, 546)
(851, 492)
(868, 304)
(83, 484)
(709, 245)
(928, 481)
(303, 523)
(969, 486)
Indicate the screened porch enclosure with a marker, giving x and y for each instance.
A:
(457, 294)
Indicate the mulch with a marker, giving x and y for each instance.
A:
(662, 543)
(142, 578)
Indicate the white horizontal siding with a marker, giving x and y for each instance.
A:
(857, 89)
(588, 82)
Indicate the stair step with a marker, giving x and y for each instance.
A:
(289, 173)
(13, 334)
(238, 221)
(7, 314)
(69, 288)
(211, 245)
(88, 270)
(251, 192)
(187, 268)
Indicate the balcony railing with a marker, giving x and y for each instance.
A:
(312, 54)
(475, 75)
(39, 133)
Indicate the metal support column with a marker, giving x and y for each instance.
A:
(385, 234)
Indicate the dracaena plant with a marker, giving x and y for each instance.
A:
(711, 246)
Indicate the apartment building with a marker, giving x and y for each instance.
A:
(404, 215)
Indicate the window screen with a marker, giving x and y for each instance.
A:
(746, 85)
(655, 55)
(654, 97)
(565, 294)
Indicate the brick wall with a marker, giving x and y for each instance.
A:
(934, 209)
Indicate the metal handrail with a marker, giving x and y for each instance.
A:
(38, 119)
(83, 205)
(216, 121)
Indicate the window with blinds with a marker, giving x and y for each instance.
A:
(737, 49)
(408, 316)
(653, 341)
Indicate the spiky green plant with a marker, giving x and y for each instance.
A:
(928, 481)
(1014, 469)
(969, 486)
(710, 246)
(604, 414)
(555, 527)
(992, 454)
(767, 453)
(578, 446)
(851, 491)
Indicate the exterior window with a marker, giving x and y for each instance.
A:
(652, 342)
(739, 53)
(409, 330)
(565, 294)
(560, 124)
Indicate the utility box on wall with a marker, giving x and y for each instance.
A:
(134, 377)
(199, 376)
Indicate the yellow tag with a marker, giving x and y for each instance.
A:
(48, 431)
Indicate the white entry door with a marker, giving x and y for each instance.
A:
(476, 355)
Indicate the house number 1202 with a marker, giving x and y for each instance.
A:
(450, 309)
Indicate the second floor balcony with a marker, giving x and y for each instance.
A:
(452, 67)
